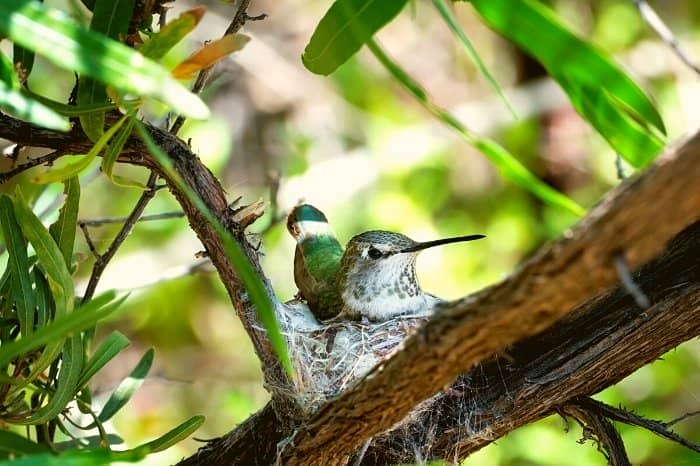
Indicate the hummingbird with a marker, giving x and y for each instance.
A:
(374, 278)
(316, 259)
(377, 276)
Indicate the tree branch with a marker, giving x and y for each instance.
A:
(636, 219)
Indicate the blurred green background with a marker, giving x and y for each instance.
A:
(359, 148)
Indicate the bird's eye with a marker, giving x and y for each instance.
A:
(374, 253)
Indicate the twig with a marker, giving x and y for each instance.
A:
(621, 415)
(275, 215)
(101, 261)
(657, 24)
(628, 282)
(98, 222)
(599, 429)
(239, 19)
(681, 418)
(48, 158)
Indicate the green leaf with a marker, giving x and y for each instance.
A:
(518, 174)
(636, 144)
(446, 13)
(252, 282)
(71, 110)
(126, 389)
(344, 29)
(87, 315)
(63, 230)
(18, 266)
(109, 348)
(50, 256)
(96, 457)
(540, 33)
(509, 166)
(12, 442)
(175, 435)
(162, 41)
(72, 169)
(112, 154)
(15, 103)
(7, 72)
(57, 37)
(43, 298)
(110, 18)
(67, 385)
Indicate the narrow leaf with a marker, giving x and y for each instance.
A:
(513, 170)
(538, 31)
(252, 282)
(209, 54)
(7, 72)
(57, 37)
(72, 169)
(446, 12)
(344, 29)
(15, 103)
(70, 110)
(17, 266)
(109, 348)
(110, 18)
(115, 148)
(63, 230)
(632, 141)
(509, 166)
(12, 442)
(71, 367)
(164, 40)
(95, 457)
(49, 254)
(175, 435)
(126, 389)
(96, 309)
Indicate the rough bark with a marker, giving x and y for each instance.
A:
(636, 220)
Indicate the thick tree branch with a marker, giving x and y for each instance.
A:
(595, 346)
(637, 220)
(205, 184)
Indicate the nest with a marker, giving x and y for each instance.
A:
(329, 358)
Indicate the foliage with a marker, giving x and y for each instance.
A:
(49, 355)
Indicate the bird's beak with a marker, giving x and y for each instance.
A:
(438, 242)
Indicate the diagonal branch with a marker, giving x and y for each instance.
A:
(636, 220)
(563, 274)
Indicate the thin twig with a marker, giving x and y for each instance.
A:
(621, 415)
(48, 158)
(681, 418)
(146, 218)
(275, 215)
(101, 261)
(628, 282)
(239, 19)
(657, 24)
(598, 428)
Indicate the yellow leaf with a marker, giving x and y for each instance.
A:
(209, 54)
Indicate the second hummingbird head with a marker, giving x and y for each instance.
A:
(306, 221)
